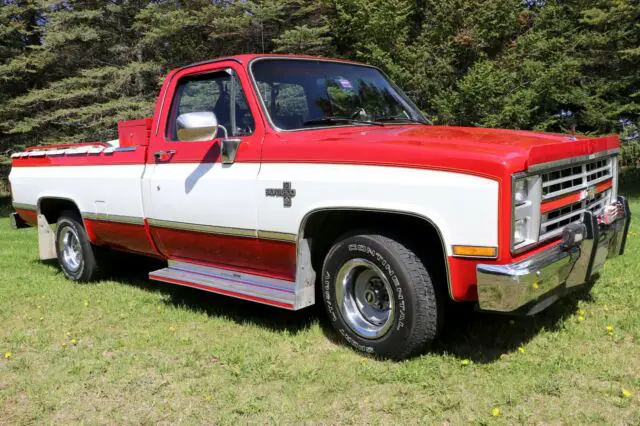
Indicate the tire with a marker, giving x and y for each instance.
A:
(379, 296)
(76, 256)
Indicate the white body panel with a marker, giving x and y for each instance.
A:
(203, 194)
(463, 207)
(112, 190)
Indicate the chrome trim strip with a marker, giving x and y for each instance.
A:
(207, 229)
(570, 161)
(277, 236)
(130, 220)
(24, 206)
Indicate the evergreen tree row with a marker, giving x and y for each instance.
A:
(69, 70)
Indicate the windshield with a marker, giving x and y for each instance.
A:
(301, 94)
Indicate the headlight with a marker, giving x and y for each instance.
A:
(520, 191)
(520, 231)
(525, 225)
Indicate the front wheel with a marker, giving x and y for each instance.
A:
(379, 296)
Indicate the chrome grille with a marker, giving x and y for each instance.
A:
(552, 223)
(575, 178)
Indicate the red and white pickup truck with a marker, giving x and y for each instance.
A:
(285, 179)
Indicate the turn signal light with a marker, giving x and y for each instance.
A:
(475, 251)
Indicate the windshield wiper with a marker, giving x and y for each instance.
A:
(399, 118)
(338, 120)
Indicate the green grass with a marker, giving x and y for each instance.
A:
(128, 350)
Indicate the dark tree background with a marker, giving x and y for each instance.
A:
(69, 70)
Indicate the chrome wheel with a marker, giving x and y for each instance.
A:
(69, 247)
(365, 298)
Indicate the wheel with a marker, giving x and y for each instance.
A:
(76, 256)
(379, 296)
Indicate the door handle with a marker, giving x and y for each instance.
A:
(164, 155)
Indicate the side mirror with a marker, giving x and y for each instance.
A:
(203, 126)
(197, 126)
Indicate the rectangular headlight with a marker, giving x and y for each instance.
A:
(526, 199)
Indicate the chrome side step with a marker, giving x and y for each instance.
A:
(270, 291)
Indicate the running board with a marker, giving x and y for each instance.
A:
(269, 291)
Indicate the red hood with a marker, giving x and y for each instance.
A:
(533, 147)
(489, 152)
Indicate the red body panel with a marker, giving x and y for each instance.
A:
(29, 216)
(268, 258)
(122, 236)
(491, 153)
(135, 132)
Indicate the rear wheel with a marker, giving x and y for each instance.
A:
(379, 296)
(76, 257)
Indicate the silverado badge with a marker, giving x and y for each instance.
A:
(287, 193)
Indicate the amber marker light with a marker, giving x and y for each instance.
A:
(475, 251)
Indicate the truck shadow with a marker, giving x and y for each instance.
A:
(467, 334)
(485, 337)
(133, 270)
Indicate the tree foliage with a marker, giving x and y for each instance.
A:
(69, 70)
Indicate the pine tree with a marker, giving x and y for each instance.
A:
(69, 70)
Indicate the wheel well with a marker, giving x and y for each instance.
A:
(52, 208)
(324, 227)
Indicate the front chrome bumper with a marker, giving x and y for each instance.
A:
(530, 285)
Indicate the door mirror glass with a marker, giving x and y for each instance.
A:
(197, 126)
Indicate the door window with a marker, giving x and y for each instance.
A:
(221, 93)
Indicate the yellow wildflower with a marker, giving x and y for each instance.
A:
(465, 362)
(74, 342)
(610, 329)
(626, 393)
(521, 349)
(580, 318)
(495, 412)
(172, 328)
(581, 312)
(8, 355)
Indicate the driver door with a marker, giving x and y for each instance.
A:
(199, 209)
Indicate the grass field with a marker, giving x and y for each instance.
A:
(128, 350)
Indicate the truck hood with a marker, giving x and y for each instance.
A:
(493, 152)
